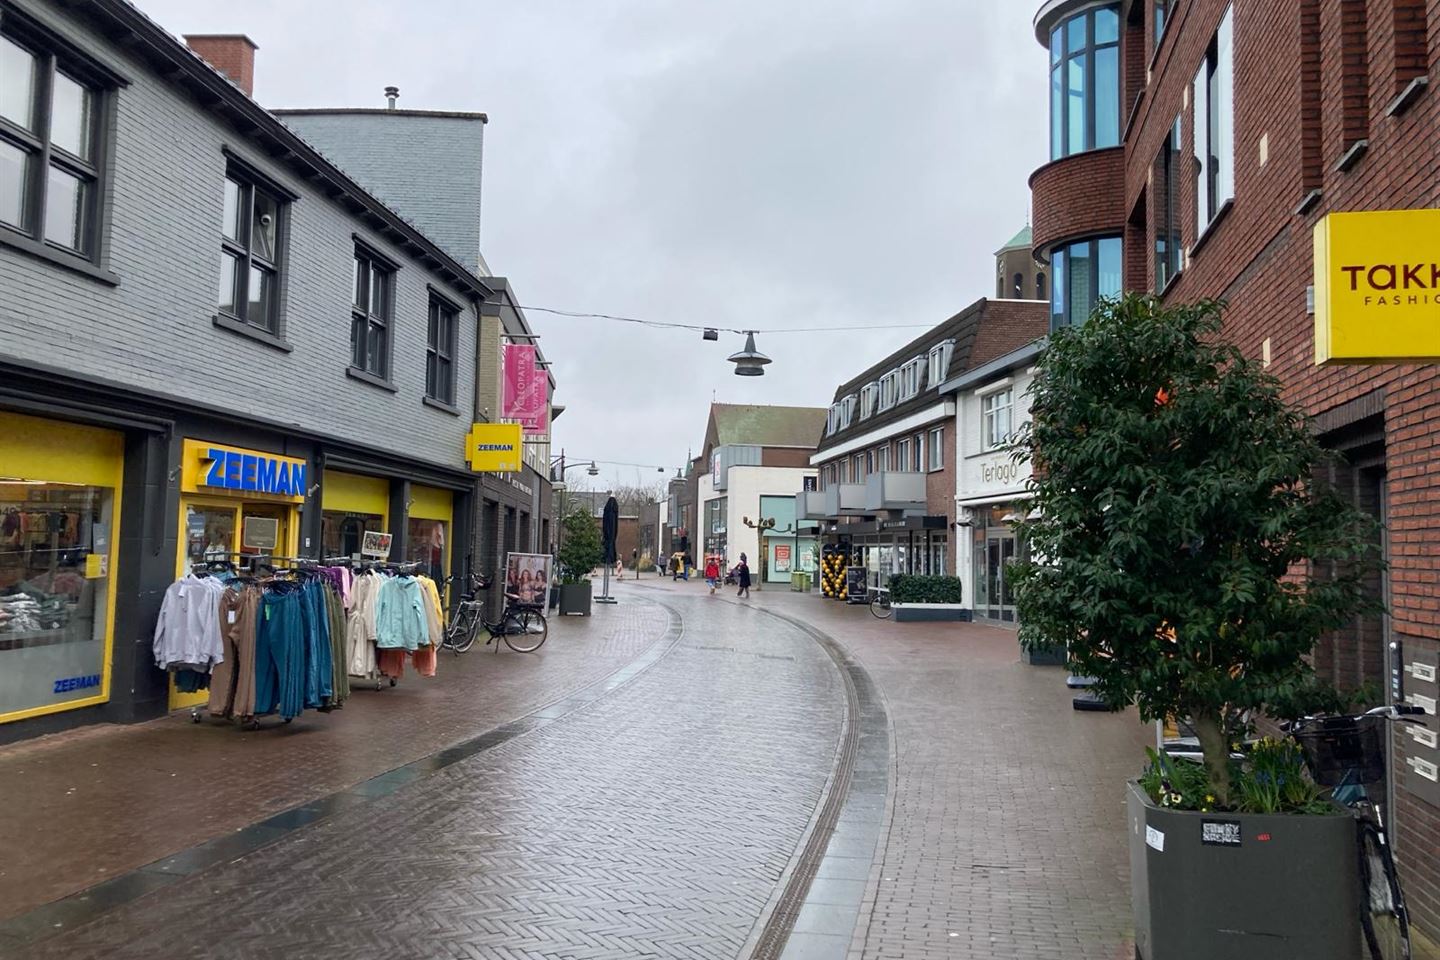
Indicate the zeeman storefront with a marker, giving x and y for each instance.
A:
(80, 591)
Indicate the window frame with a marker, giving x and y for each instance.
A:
(869, 399)
(918, 446)
(363, 315)
(939, 361)
(1060, 268)
(1213, 127)
(990, 408)
(436, 306)
(1166, 236)
(1060, 62)
(935, 454)
(902, 454)
(249, 181)
(54, 55)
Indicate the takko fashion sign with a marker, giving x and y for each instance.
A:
(236, 472)
(494, 448)
(526, 388)
(1377, 287)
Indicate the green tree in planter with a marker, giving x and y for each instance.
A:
(581, 550)
(1182, 549)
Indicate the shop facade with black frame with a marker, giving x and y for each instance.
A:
(148, 422)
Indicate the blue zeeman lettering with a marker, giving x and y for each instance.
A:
(248, 464)
(265, 475)
(282, 484)
(216, 476)
(297, 479)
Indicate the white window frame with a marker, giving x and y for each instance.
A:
(847, 411)
(919, 448)
(991, 405)
(832, 420)
(902, 455)
(1214, 149)
(939, 361)
(936, 453)
(869, 395)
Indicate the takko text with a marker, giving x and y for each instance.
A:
(232, 470)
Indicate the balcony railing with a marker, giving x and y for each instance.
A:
(844, 500)
(894, 490)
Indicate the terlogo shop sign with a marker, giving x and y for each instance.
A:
(1377, 287)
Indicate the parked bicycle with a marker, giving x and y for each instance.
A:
(522, 627)
(880, 602)
(1348, 755)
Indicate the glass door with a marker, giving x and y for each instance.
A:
(993, 555)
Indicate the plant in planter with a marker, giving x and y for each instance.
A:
(916, 597)
(1182, 549)
(580, 552)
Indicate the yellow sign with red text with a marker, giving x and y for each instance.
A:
(1377, 287)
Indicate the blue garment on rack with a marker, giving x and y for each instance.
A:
(400, 621)
(319, 685)
(280, 654)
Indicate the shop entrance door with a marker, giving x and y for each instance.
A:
(992, 587)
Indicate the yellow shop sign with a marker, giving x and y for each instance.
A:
(494, 447)
(235, 472)
(1377, 287)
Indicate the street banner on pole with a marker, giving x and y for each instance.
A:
(526, 388)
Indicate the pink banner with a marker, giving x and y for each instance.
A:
(526, 388)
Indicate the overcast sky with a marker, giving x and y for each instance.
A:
(753, 164)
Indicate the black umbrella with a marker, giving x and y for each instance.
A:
(610, 529)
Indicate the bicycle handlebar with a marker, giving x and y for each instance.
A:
(1395, 711)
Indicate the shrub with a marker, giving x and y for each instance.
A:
(913, 588)
(581, 551)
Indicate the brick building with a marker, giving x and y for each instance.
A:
(887, 460)
(1195, 144)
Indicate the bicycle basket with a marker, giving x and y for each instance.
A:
(1343, 750)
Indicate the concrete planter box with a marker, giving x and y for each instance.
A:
(930, 612)
(1247, 887)
(1044, 658)
(575, 598)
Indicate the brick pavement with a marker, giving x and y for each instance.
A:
(85, 806)
(654, 822)
(1005, 832)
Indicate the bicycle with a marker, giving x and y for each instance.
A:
(880, 602)
(1347, 753)
(522, 626)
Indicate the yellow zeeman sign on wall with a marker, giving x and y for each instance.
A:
(494, 448)
(1377, 287)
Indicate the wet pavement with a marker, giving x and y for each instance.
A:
(678, 776)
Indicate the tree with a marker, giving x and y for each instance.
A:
(581, 551)
(1183, 549)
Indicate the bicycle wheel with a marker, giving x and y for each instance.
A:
(529, 633)
(880, 605)
(461, 635)
(1382, 907)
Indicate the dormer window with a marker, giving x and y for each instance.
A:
(910, 379)
(940, 361)
(847, 411)
(869, 397)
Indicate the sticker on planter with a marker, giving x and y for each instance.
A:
(1154, 838)
(1220, 833)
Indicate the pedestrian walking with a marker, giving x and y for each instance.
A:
(712, 574)
(686, 563)
(742, 574)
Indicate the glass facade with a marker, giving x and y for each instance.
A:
(1082, 273)
(1085, 82)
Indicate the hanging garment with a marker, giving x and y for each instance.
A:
(400, 621)
(188, 629)
(232, 685)
(280, 654)
(316, 630)
(360, 626)
(434, 617)
(391, 661)
(335, 618)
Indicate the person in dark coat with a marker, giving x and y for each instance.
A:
(742, 574)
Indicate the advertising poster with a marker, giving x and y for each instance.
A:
(527, 576)
(526, 388)
(376, 544)
(782, 558)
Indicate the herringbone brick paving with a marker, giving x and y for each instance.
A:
(129, 795)
(653, 823)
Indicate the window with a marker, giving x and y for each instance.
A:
(869, 462)
(917, 454)
(1214, 128)
(869, 395)
(440, 352)
(997, 411)
(1018, 287)
(832, 419)
(1085, 82)
(1039, 286)
(902, 455)
(857, 472)
(250, 252)
(1167, 210)
(937, 449)
(50, 149)
(1162, 18)
(939, 360)
(370, 316)
(882, 459)
(847, 411)
(909, 379)
(1083, 272)
(890, 389)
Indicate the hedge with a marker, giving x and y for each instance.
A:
(912, 588)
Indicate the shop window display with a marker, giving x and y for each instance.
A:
(425, 543)
(54, 583)
(343, 533)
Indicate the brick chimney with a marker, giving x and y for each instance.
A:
(233, 54)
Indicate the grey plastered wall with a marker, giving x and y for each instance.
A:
(154, 331)
(425, 167)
